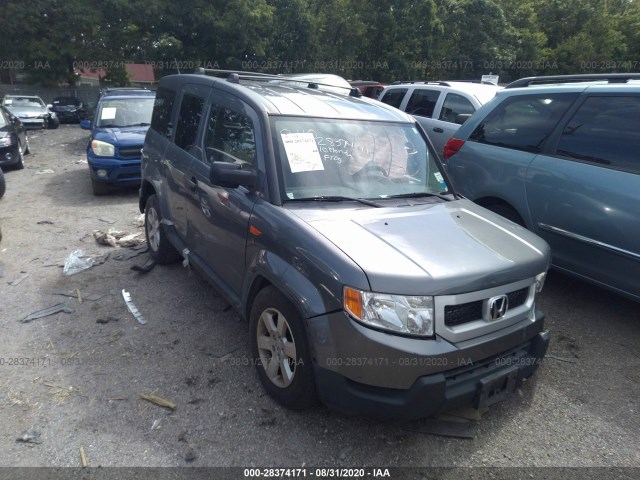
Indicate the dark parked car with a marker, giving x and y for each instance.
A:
(118, 128)
(327, 221)
(31, 111)
(68, 109)
(561, 156)
(14, 143)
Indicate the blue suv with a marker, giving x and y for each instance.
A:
(559, 155)
(119, 126)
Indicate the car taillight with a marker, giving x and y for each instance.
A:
(452, 147)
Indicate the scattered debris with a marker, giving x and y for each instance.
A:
(138, 221)
(132, 308)
(44, 172)
(79, 295)
(29, 436)
(71, 294)
(45, 222)
(58, 308)
(60, 394)
(118, 238)
(443, 428)
(221, 355)
(268, 422)
(146, 268)
(76, 262)
(161, 402)
(83, 457)
(107, 319)
(110, 222)
(190, 455)
(155, 425)
(18, 280)
(131, 252)
(561, 359)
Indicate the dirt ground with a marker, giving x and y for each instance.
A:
(75, 378)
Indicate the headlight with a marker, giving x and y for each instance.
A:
(408, 315)
(102, 149)
(540, 281)
(5, 141)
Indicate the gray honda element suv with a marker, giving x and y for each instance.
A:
(328, 222)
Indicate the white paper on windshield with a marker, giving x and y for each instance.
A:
(8, 101)
(302, 152)
(108, 113)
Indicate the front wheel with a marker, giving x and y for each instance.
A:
(53, 123)
(161, 250)
(279, 347)
(20, 163)
(3, 184)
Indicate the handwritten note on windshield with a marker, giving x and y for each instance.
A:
(302, 152)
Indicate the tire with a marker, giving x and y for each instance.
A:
(20, 164)
(507, 212)
(99, 188)
(160, 249)
(27, 150)
(280, 349)
(53, 123)
(3, 184)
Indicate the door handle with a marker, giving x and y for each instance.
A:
(438, 130)
(193, 184)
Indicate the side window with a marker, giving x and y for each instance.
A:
(605, 131)
(162, 108)
(394, 97)
(523, 122)
(229, 137)
(453, 106)
(188, 121)
(422, 102)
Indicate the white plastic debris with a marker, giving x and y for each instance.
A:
(132, 308)
(76, 262)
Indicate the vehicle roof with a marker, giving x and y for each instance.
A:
(283, 97)
(127, 92)
(21, 96)
(482, 91)
(579, 87)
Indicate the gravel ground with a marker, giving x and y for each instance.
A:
(77, 382)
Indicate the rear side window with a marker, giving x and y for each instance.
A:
(229, 137)
(453, 106)
(394, 97)
(523, 122)
(605, 131)
(188, 121)
(422, 102)
(162, 108)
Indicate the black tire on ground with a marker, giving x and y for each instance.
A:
(53, 123)
(3, 185)
(20, 164)
(507, 212)
(160, 248)
(27, 150)
(281, 351)
(99, 188)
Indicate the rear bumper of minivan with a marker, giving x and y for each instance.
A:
(469, 382)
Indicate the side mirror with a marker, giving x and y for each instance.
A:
(85, 124)
(462, 117)
(231, 175)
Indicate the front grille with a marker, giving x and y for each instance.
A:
(518, 297)
(130, 152)
(463, 313)
(469, 312)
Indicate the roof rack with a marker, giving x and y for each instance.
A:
(426, 82)
(234, 76)
(595, 77)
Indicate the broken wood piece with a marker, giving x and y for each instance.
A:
(83, 457)
(161, 402)
(79, 295)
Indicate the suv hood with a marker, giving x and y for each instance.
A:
(435, 249)
(121, 136)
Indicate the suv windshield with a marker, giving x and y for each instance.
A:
(125, 112)
(354, 159)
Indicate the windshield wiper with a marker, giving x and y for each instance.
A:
(421, 194)
(337, 198)
(137, 125)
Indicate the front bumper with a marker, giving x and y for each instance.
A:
(34, 123)
(376, 374)
(118, 172)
